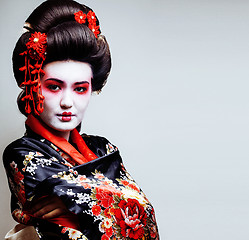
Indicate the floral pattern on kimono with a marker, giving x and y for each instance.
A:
(107, 201)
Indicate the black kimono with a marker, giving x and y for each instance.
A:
(106, 200)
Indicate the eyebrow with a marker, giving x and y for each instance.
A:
(83, 82)
(60, 81)
(54, 79)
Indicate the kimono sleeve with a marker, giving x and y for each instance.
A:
(40, 169)
(28, 163)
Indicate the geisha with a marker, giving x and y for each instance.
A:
(65, 185)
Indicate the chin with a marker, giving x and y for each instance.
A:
(65, 127)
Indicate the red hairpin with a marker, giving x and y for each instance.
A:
(36, 50)
(81, 17)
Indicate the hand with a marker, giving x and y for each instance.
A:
(48, 207)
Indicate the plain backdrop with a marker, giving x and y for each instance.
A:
(176, 104)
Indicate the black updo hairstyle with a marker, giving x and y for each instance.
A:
(66, 40)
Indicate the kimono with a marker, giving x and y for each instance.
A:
(101, 193)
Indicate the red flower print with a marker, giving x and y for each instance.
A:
(18, 177)
(153, 231)
(124, 182)
(82, 181)
(82, 178)
(96, 209)
(105, 183)
(109, 212)
(80, 17)
(134, 187)
(153, 215)
(107, 223)
(105, 237)
(65, 229)
(99, 176)
(131, 218)
(153, 228)
(122, 167)
(105, 196)
(21, 195)
(85, 185)
(109, 231)
(37, 45)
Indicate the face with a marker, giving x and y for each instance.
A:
(66, 87)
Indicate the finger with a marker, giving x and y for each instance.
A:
(46, 201)
(44, 210)
(49, 208)
(54, 214)
(40, 203)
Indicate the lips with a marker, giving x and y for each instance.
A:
(66, 116)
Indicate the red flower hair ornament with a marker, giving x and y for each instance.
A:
(90, 17)
(80, 17)
(36, 51)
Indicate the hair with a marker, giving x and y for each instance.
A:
(66, 40)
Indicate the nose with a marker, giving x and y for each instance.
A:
(66, 100)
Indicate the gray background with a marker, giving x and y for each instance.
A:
(176, 105)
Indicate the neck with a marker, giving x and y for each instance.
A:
(54, 132)
(63, 134)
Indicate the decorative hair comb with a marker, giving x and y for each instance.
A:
(36, 50)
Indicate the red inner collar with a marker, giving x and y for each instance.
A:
(82, 156)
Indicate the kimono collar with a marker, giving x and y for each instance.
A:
(85, 155)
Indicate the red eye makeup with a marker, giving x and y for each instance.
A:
(53, 85)
(81, 87)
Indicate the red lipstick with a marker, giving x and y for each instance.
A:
(66, 116)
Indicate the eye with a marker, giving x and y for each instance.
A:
(80, 89)
(54, 87)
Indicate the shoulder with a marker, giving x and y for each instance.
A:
(24, 143)
(20, 148)
(21, 143)
(99, 145)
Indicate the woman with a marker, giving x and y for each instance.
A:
(66, 185)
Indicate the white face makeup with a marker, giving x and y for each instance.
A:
(66, 87)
